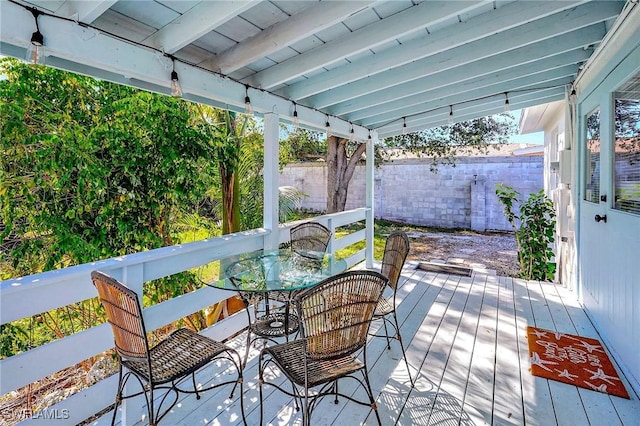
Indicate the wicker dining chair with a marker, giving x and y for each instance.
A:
(163, 366)
(335, 316)
(396, 250)
(310, 237)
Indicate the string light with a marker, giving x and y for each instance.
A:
(37, 44)
(35, 52)
(296, 123)
(327, 126)
(404, 125)
(369, 135)
(506, 102)
(176, 89)
(352, 134)
(248, 109)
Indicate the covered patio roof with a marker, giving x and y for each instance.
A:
(370, 66)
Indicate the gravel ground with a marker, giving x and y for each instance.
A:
(493, 251)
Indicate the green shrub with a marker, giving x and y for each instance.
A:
(534, 233)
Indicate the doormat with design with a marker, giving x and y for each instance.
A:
(572, 359)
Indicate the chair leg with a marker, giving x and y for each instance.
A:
(372, 400)
(260, 385)
(295, 398)
(306, 415)
(152, 417)
(238, 366)
(386, 333)
(404, 354)
(195, 385)
(118, 395)
(240, 380)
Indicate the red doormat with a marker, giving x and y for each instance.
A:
(572, 359)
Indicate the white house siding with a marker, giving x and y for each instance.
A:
(407, 191)
(598, 260)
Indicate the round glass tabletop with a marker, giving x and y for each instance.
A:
(278, 270)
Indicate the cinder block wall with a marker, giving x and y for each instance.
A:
(407, 191)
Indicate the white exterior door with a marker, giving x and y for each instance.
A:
(609, 228)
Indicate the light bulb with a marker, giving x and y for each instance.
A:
(404, 126)
(176, 89)
(296, 123)
(450, 115)
(35, 52)
(352, 135)
(506, 102)
(327, 126)
(248, 109)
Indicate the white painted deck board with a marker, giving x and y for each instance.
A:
(466, 344)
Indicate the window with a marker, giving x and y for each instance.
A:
(626, 170)
(592, 187)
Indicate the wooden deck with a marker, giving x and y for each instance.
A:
(468, 351)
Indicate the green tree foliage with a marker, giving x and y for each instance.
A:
(534, 231)
(91, 169)
(303, 145)
(443, 144)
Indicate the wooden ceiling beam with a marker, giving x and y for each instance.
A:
(84, 11)
(546, 31)
(283, 34)
(204, 17)
(415, 18)
(475, 28)
(453, 82)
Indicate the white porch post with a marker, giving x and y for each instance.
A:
(369, 198)
(271, 177)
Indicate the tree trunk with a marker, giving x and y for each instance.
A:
(230, 190)
(230, 223)
(228, 179)
(340, 168)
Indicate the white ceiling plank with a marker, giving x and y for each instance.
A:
(84, 11)
(198, 21)
(489, 46)
(484, 25)
(414, 18)
(552, 78)
(450, 82)
(84, 50)
(285, 33)
(490, 108)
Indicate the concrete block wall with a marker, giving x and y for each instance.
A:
(407, 191)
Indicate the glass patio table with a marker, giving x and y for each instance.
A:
(274, 276)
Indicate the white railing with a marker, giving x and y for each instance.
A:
(35, 294)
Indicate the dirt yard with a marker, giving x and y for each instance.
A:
(493, 251)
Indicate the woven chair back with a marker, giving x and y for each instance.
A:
(336, 313)
(312, 236)
(124, 314)
(396, 250)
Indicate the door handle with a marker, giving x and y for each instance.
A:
(601, 218)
